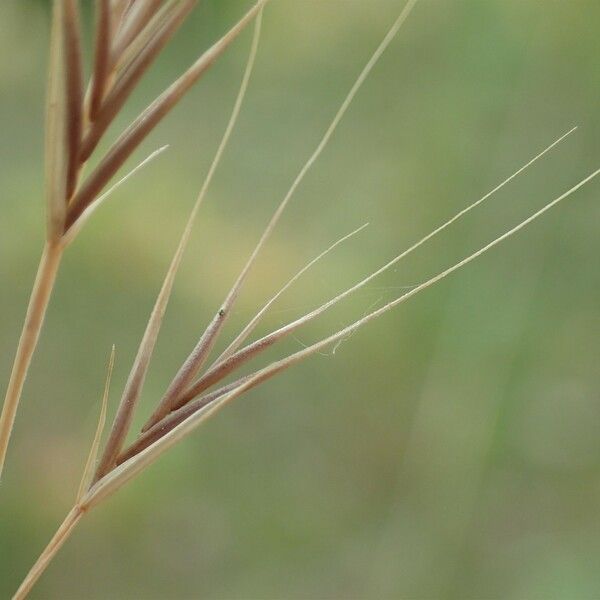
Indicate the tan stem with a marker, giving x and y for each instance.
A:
(40, 295)
(55, 544)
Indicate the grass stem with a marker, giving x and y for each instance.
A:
(34, 319)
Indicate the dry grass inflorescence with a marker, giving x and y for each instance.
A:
(129, 35)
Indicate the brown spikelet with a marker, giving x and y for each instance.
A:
(129, 35)
(145, 123)
(135, 382)
(74, 90)
(156, 441)
(231, 361)
(173, 419)
(129, 79)
(134, 49)
(200, 352)
(180, 391)
(101, 56)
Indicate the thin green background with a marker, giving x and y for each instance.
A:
(449, 450)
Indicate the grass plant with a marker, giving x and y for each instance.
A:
(198, 392)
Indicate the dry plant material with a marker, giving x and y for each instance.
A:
(187, 402)
(129, 35)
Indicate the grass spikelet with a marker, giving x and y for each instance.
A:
(133, 389)
(229, 361)
(133, 136)
(129, 79)
(200, 353)
(178, 428)
(128, 37)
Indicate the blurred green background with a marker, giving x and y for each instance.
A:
(448, 450)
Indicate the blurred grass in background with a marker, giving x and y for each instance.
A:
(449, 450)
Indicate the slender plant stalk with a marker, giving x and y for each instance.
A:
(34, 320)
(75, 514)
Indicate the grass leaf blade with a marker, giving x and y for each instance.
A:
(125, 85)
(91, 460)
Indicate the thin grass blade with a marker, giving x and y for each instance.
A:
(88, 470)
(72, 233)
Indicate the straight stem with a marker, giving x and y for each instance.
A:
(34, 319)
